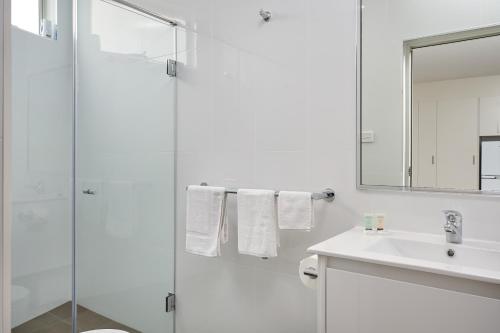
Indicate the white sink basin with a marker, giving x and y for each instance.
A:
(464, 256)
(476, 260)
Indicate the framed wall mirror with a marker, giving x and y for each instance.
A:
(429, 95)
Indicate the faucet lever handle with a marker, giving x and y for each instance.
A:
(453, 226)
(452, 215)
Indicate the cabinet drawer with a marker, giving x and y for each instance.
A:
(358, 303)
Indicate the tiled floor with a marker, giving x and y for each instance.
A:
(58, 320)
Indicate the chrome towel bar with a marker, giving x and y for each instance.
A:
(328, 194)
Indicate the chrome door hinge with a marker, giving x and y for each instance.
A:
(170, 302)
(171, 67)
(410, 171)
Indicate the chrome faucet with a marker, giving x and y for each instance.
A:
(453, 226)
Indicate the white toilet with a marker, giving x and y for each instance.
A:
(105, 331)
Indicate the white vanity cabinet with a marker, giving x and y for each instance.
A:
(359, 303)
(404, 282)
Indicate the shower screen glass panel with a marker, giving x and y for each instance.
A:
(41, 168)
(125, 162)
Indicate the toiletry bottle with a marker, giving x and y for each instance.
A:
(380, 221)
(368, 221)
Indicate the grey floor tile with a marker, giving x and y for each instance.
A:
(58, 320)
(34, 324)
(56, 327)
(90, 321)
(64, 311)
(118, 326)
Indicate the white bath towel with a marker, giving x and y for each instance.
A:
(206, 228)
(257, 225)
(295, 210)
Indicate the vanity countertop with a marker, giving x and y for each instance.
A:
(473, 259)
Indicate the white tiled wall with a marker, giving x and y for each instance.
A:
(273, 106)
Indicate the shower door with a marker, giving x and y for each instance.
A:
(125, 169)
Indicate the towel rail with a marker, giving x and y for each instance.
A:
(328, 194)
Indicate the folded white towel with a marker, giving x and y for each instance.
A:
(206, 227)
(257, 225)
(295, 210)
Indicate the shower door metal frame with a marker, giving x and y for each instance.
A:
(5, 224)
(141, 10)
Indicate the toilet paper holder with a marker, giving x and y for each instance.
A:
(311, 275)
(308, 272)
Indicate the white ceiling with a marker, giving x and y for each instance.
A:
(473, 58)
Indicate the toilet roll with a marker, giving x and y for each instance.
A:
(308, 271)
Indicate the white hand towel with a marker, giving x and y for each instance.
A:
(206, 228)
(257, 225)
(295, 210)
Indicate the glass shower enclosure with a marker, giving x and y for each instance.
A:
(92, 168)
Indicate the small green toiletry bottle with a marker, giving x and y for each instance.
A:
(368, 221)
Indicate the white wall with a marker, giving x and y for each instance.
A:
(273, 106)
(387, 23)
(472, 87)
(41, 165)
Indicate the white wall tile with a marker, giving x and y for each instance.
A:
(195, 94)
(281, 170)
(281, 40)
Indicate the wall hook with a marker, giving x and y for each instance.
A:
(265, 14)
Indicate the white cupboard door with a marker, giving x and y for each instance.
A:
(489, 116)
(424, 137)
(342, 302)
(458, 144)
(358, 303)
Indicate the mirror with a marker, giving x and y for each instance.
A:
(429, 95)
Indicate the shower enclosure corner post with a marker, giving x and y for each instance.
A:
(74, 312)
(5, 231)
(5, 206)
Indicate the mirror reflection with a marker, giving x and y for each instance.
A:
(429, 98)
(455, 135)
